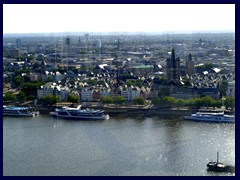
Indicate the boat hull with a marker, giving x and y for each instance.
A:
(209, 120)
(104, 117)
(19, 111)
(21, 114)
(220, 167)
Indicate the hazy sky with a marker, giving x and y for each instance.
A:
(38, 18)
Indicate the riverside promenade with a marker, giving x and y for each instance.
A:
(148, 110)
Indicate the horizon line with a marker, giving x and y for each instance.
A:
(130, 32)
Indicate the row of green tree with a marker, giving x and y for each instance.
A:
(51, 99)
(205, 67)
(205, 101)
(47, 99)
(121, 100)
(137, 82)
(20, 97)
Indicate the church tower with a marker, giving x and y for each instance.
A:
(190, 65)
(43, 66)
(173, 69)
(43, 69)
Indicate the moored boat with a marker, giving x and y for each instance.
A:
(19, 111)
(79, 114)
(211, 116)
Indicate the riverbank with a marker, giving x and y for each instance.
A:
(131, 110)
(138, 110)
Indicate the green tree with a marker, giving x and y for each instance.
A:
(156, 101)
(18, 80)
(31, 57)
(50, 99)
(20, 72)
(6, 53)
(119, 100)
(138, 101)
(180, 102)
(21, 96)
(101, 82)
(229, 102)
(137, 82)
(191, 102)
(83, 52)
(165, 101)
(216, 103)
(205, 67)
(107, 100)
(30, 88)
(27, 78)
(31, 97)
(9, 96)
(91, 82)
(204, 101)
(169, 100)
(164, 78)
(73, 98)
(223, 88)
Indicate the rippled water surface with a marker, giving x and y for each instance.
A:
(121, 145)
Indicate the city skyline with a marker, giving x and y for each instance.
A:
(163, 18)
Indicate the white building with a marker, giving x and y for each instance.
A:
(87, 95)
(130, 93)
(63, 92)
(53, 89)
(45, 90)
(133, 93)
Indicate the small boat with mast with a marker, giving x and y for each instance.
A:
(220, 167)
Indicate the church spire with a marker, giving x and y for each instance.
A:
(173, 69)
(43, 66)
(172, 59)
(173, 54)
(190, 57)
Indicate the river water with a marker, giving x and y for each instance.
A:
(122, 145)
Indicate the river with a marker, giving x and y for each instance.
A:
(122, 145)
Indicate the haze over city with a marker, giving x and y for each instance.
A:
(163, 18)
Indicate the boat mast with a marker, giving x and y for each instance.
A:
(217, 157)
